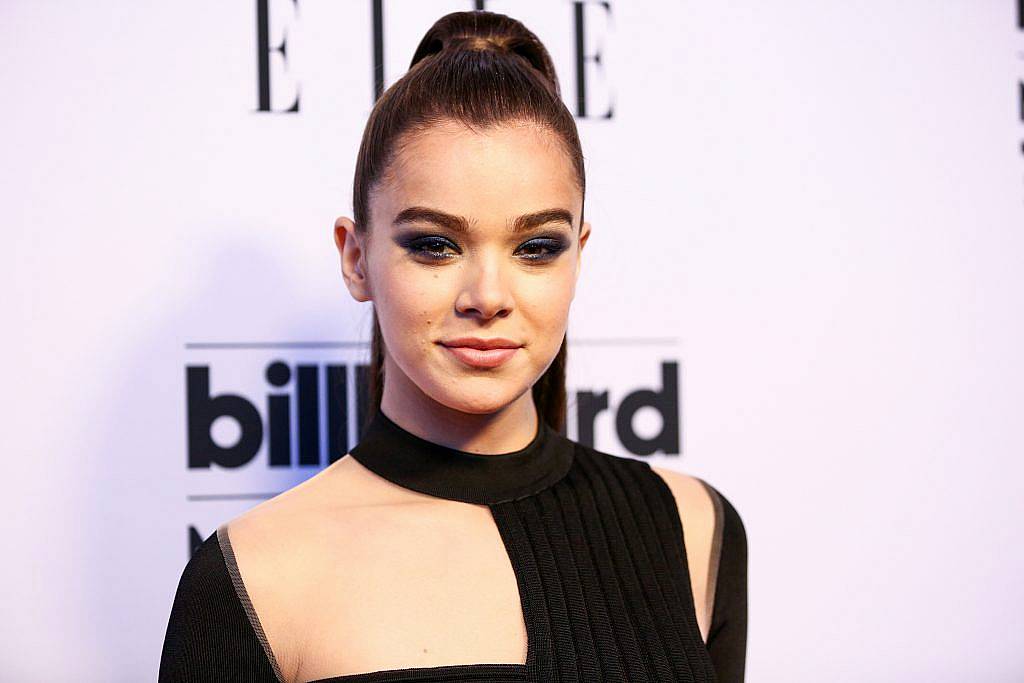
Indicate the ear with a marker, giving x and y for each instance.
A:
(584, 235)
(353, 262)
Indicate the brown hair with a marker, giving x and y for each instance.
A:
(480, 69)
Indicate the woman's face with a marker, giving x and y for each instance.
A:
(472, 235)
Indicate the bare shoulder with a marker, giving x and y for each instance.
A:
(268, 535)
(274, 533)
(692, 498)
(697, 512)
(287, 547)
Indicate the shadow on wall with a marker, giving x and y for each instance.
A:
(135, 512)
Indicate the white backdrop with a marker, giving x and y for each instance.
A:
(808, 213)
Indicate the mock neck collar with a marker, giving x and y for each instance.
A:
(421, 465)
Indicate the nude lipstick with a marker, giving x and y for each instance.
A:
(481, 353)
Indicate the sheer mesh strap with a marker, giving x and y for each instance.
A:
(243, 597)
(727, 639)
(716, 552)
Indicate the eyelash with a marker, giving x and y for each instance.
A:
(415, 245)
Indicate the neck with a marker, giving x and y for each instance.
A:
(419, 464)
(503, 430)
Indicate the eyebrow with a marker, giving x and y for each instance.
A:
(422, 214)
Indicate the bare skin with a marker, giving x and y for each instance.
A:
(350, 573)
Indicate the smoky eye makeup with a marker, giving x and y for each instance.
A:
(436, 248)
(430, 246)
(544, 247)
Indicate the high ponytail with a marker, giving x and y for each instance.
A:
(480, 69)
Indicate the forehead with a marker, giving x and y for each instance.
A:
(485, 175)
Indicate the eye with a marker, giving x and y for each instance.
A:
(431, 247)
(543, 248)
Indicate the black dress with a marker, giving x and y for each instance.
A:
(597, 547)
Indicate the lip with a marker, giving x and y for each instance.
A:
(482, 353)
(482, 344)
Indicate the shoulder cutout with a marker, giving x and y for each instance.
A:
(281, 554)
(231, 563)
(267, 554)
(727, 640)
(700, 513)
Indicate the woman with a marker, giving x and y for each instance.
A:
(465, 538)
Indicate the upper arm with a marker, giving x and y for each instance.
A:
(697, 512)
(208, 634)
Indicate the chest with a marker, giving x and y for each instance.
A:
(585, 581)
(425, 588)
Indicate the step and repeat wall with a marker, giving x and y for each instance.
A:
(805, 284)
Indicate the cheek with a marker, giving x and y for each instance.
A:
(411, 302)
(546, 301)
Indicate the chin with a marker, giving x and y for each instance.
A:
(476, 396)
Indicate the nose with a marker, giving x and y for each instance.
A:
(486, 291)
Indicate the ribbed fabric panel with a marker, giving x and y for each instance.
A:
(657, 514)
(605, 545)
